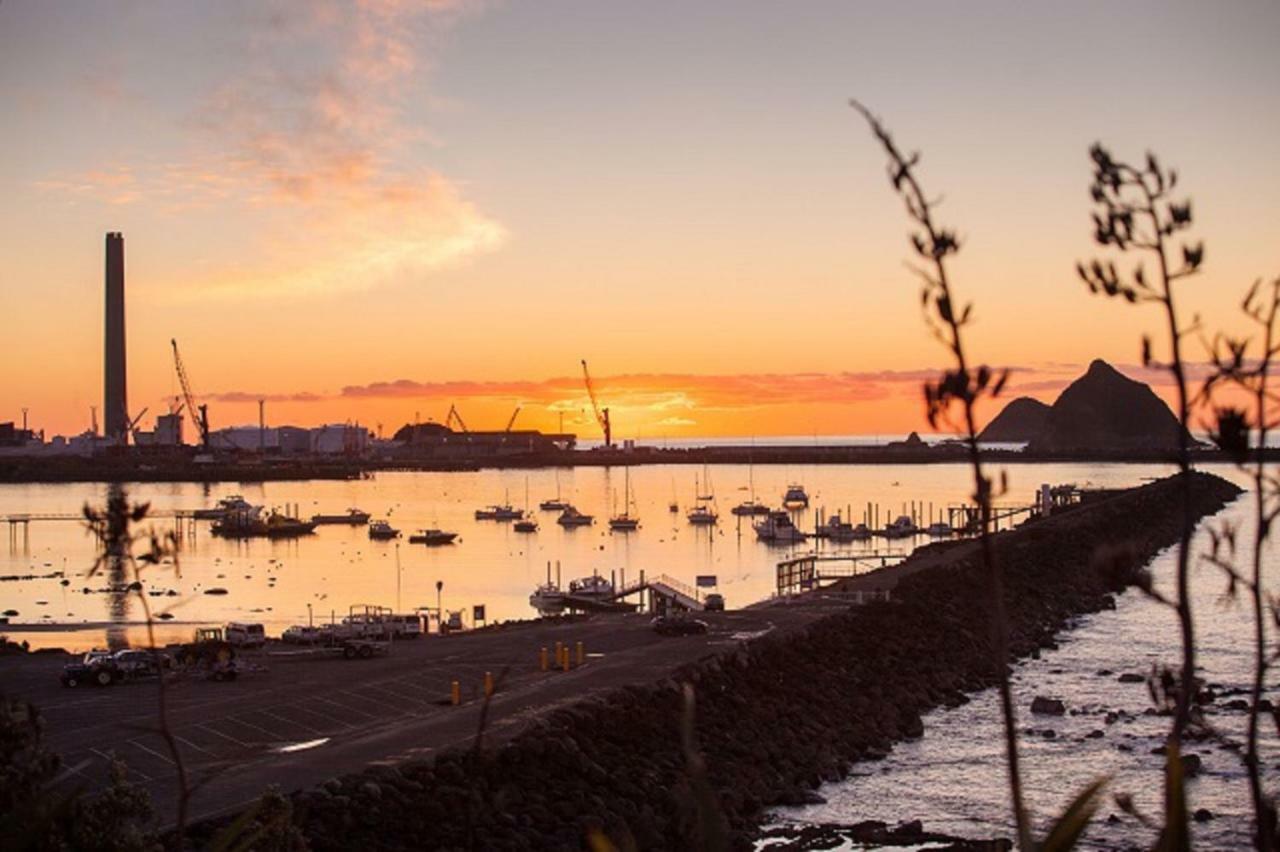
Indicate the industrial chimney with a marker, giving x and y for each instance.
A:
(115, 401)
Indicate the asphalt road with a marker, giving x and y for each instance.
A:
(300, 720)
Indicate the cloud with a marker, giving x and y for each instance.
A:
(307, 149)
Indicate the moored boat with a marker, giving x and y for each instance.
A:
(571, 517)
(432, 537)
(750, 508)
(224, 507)
(796, 496)
(382, 530)
(902, 527)
(778, 528)
(354, 517)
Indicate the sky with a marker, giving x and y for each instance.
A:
(369, 211)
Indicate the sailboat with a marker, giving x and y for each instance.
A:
(702, 514)
(625, 522)
(556, 505)
(527, 523)
(749, 508)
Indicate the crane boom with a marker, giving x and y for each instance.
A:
(455, 417)
(602, 414)
(199, 415)
(512, 421)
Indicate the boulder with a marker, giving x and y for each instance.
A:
(1042, 706)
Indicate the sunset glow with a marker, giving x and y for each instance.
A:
(365, 212)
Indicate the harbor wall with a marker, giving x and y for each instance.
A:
(775, 716)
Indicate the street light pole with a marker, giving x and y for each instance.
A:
(397, 577)
(439, 611)
(310, 621)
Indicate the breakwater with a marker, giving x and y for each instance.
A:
(775, 716)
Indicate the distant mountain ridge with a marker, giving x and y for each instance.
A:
(1101, 410)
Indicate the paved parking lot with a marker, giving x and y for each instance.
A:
(301, 719)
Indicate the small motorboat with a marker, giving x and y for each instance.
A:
(624, 523)
(432, 537)
(526, 525)
(939, 529)
(838, 529)
(795, 497)
(499, 513)
(381, 531)
(226, 506)
(571, 517)
(353, 517)
(547, 599)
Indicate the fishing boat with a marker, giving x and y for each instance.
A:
(354, 517)
(902, 527)
(626, 522)
(795, 497)
(594, 587)
(242, 523)
(382, 530)
(432, 537)
(571, 517)
(778, 528)
(225, 506)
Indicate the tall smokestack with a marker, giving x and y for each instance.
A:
(116, 405)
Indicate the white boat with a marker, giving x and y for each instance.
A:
(571, 517)
(795, 496)
(547, 599)
(226, 506)
(594, 587)
(902, 527)
(703, 513)
(778, 528)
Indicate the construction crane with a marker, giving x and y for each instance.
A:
(200, 419)
(602, 414)
(454, 417)
(512, 421)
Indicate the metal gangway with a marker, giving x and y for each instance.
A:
(669, 593)
(812, 571)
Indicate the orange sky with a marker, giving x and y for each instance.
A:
(360, 211)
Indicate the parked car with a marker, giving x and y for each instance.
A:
(140, 663)
(96, 667)
(678, 625)
(301, 634)
(713, 602)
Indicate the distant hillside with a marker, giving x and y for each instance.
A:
(1104, 410)
(1021, 420)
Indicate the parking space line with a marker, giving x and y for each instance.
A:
(144, 776)
(271, 734)
(192, 745)
(345, 707)
(331, 719)
(288, 721)
(367, 698)
(152, 751)
(398, 694)
(226, 737)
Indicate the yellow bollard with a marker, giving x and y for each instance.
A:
(542, 658)
(455, 693)
(582, 653)
(566, 658)
(488, 684)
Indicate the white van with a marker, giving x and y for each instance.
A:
(405, 626)
(245, 635)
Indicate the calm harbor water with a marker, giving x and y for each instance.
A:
(285, 582)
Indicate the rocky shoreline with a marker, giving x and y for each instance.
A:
(774, 717)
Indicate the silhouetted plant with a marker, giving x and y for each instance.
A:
(1235, 371)
(961, 386)
(1137, 214)
(114, 526)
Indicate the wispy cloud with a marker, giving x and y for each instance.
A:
(309, 140)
